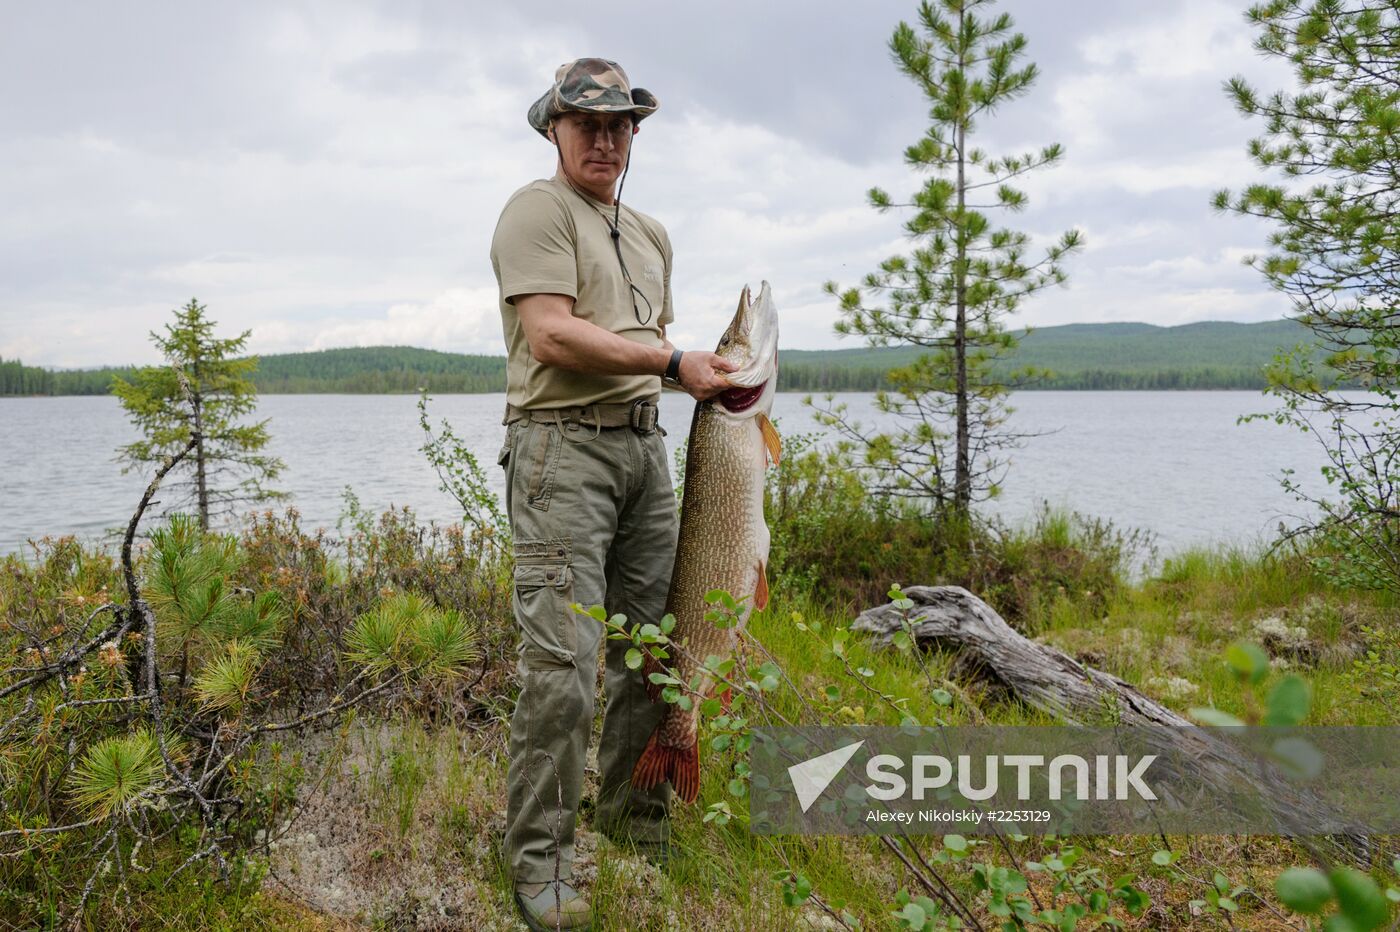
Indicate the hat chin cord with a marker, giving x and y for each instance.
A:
(613, 228)
(622, 180)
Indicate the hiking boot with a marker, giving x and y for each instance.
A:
(542, 914)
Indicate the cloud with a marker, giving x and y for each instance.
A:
(320, 172)
(465, 319)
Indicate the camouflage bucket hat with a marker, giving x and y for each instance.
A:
(591, 85)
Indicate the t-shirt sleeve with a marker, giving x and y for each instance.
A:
(668, 313)
(533, 249)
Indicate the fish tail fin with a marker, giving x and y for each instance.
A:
(679, 766)
(770, 439)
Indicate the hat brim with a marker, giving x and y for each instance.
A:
(644, 104)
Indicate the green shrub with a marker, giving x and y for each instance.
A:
(254, 633)
(844, 546)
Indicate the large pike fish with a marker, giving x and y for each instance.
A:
(723, 537)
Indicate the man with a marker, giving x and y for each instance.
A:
(585, 289)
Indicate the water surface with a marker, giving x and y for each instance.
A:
(1176, 463)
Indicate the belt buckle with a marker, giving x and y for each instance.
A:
(643, 416)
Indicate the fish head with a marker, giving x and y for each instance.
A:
(751, 341)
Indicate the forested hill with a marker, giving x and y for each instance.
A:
(1211, 354)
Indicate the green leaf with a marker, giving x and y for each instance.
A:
(1303, 889)
(1299, 756)
(1162, 858)
(796, 890)
(1248, 660)
(1212, 716)
(633, 658)
(1134, 900)
(1015, 882)
(1288, 702)
(1360, 899)
(913, 914)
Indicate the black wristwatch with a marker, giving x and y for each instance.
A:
(673, 368)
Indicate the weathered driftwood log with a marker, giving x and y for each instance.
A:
(993, 653)
(996, 654)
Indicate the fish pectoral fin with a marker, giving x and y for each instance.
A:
(760, 596)
(770, 438)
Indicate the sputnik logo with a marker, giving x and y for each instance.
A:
(811, 777)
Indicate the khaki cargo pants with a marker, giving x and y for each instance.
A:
(594, 520)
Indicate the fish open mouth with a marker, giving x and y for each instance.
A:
(755, 326)
(741, 399)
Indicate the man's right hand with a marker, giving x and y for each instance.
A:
(698, 376)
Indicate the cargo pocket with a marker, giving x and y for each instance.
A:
(544, 591)
(504, 456)
(544, 463)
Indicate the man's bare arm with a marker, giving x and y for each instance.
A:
(558, 338)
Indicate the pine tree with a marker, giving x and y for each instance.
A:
(1336, 255)
(952, 293)
(202, 389)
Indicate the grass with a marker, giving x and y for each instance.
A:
(406, 830)
(189, 902)
(729, 878)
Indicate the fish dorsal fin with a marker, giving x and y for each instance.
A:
(760, 597)
(771, 440)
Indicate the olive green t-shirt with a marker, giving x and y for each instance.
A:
(553, 239)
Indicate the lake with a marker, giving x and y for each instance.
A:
(1175, 463)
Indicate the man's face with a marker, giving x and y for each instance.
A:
(594, 145)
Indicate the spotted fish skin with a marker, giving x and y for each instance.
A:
(724, 538)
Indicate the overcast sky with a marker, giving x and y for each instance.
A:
(329, 174)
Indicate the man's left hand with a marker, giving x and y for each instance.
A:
(698, 376)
